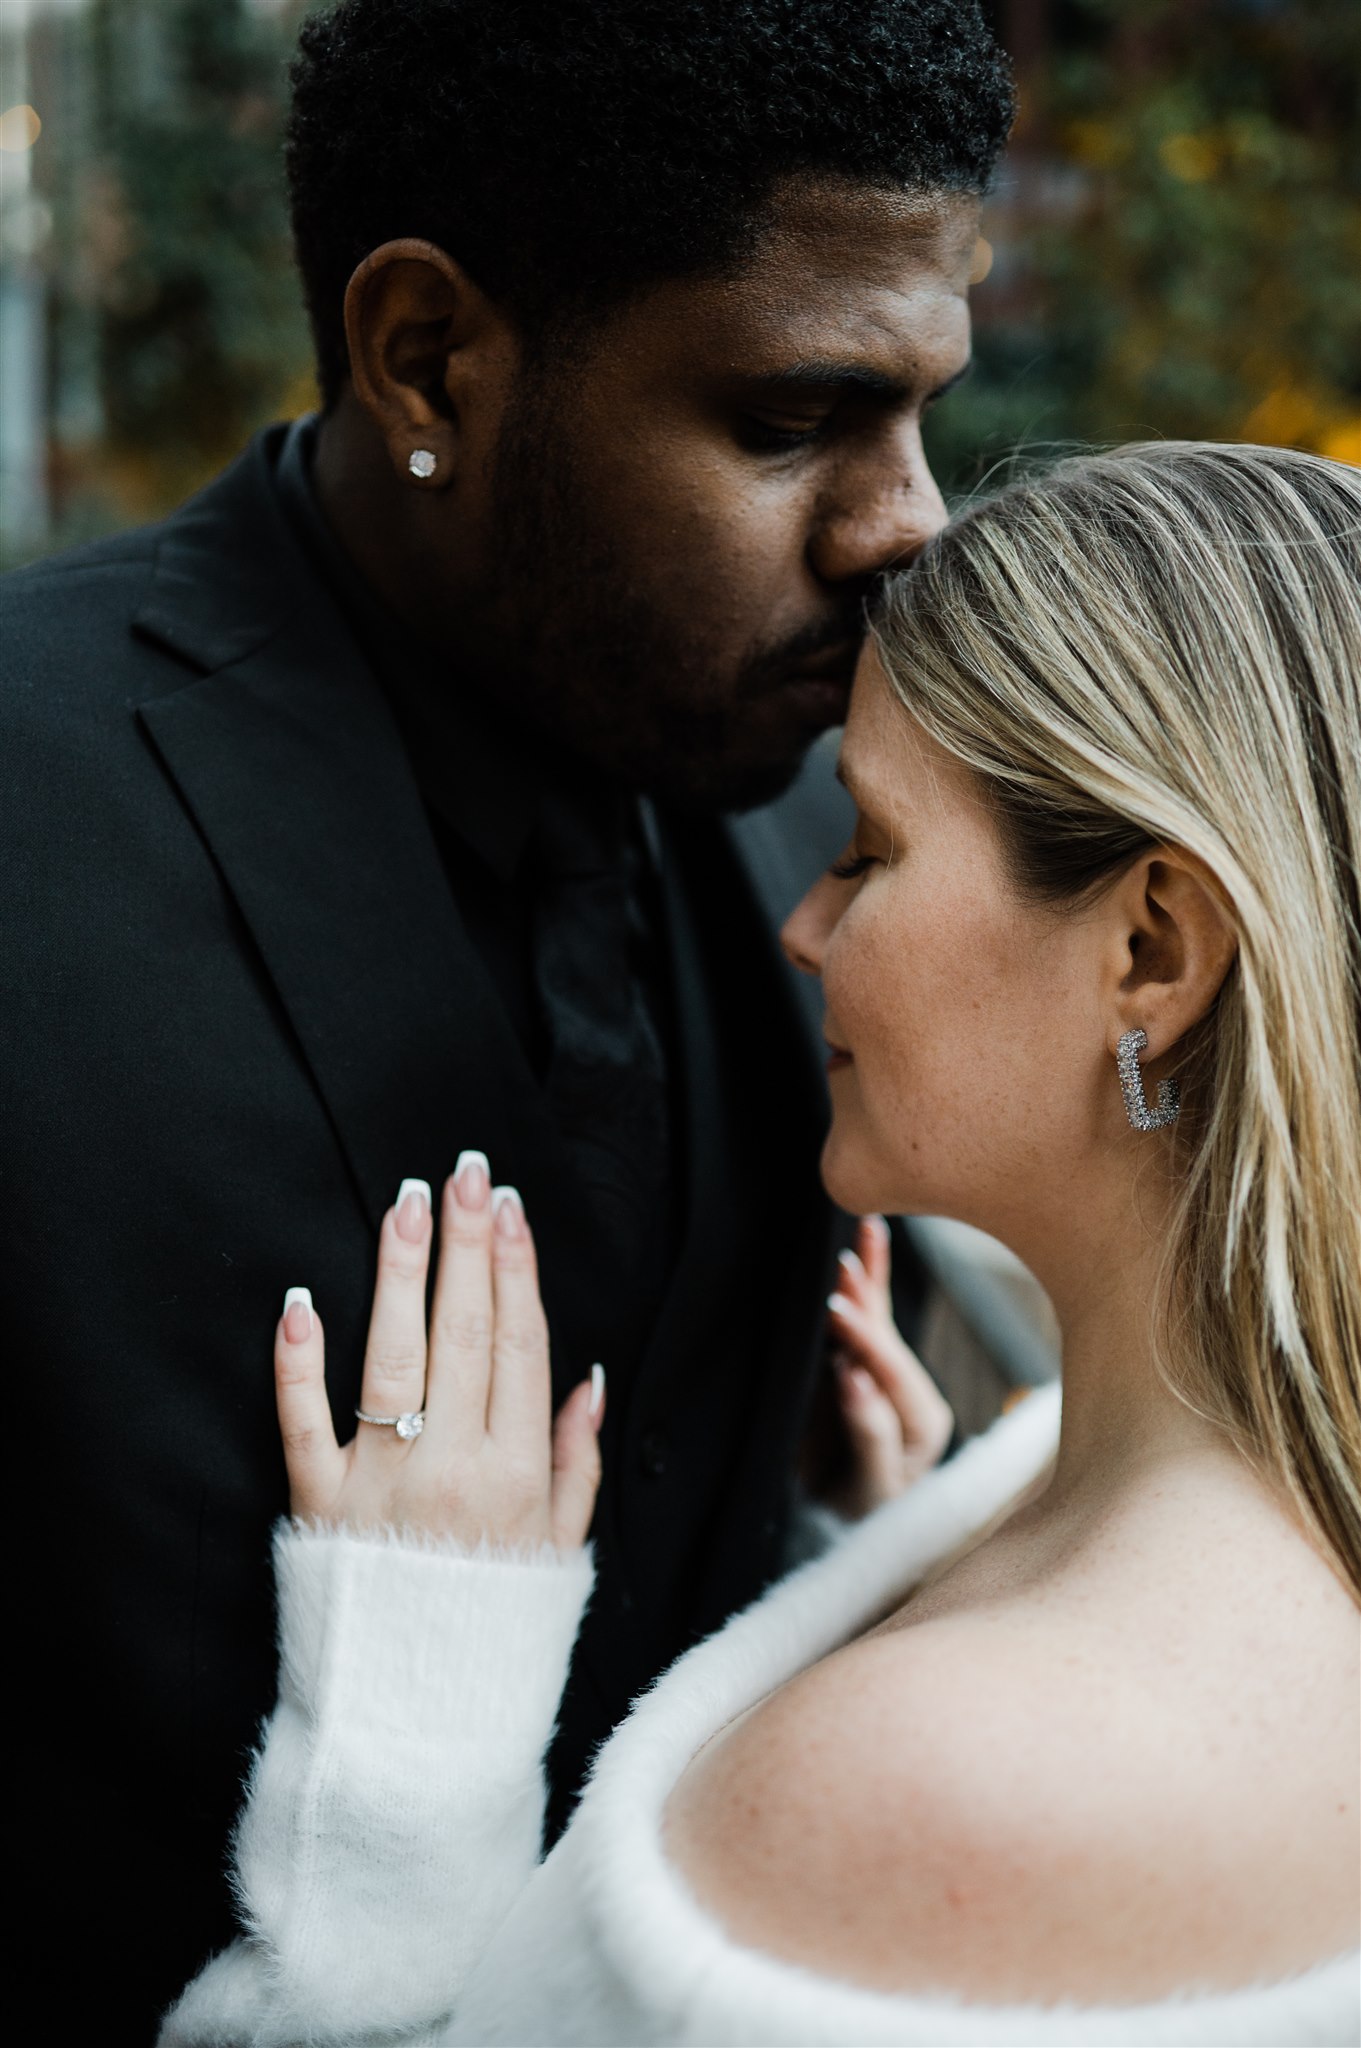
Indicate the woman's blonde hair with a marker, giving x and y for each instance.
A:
(1162, 645)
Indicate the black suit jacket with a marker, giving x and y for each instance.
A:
(238, 1005)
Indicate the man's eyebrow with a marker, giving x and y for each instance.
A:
(850, 379)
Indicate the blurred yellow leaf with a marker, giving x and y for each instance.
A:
(1343, 443)
(1285, 418)
(1293, 416)
(300, 395)
(1192, 158)
(1092, 142)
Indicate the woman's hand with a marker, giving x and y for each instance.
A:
(488, 1461)
(896, 1417)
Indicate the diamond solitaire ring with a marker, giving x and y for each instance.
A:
(406, 1426)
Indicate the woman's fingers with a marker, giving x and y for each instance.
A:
(489, 1462)
(864, 1343)
(923, 1415)
(863, 1273)
(520, 1413)
(461, 1320)
(316, 1464)
(853, 1281)
(576, 1461)
(394, 1358)
(874, 1246)
(875, 1433)
(870, 1341)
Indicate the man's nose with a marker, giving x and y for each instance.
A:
(883, 515)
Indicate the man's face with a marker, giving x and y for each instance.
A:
(685, 519)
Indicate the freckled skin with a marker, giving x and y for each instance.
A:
(963, 1005)
(615, 550)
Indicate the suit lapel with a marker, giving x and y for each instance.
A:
(289, 762)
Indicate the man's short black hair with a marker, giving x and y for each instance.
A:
(571, 152)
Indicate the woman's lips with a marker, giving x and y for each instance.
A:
(837, 1057)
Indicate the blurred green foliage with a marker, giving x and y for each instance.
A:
(201, 334)
(1178, 235)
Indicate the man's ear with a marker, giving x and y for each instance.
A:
(1171, 943)
(429, 353)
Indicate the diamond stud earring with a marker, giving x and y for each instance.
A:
(1167, 1108)
(421, 462)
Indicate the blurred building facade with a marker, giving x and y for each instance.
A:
(1175, 243)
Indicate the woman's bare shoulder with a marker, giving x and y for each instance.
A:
(1016, 1804)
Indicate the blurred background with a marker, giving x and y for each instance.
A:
(1174, 244)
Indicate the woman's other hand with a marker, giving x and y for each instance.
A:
(488, 1461)
(896, 1418)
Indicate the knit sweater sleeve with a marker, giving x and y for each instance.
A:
(395, 1806)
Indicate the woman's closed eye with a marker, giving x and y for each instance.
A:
(851, 866)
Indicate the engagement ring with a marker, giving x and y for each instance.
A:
(406, 1426)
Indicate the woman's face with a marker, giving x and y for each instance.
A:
(969, 1055)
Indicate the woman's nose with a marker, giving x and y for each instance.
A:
(805, 930)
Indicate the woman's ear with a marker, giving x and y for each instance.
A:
(1171, 943)
(426, 348)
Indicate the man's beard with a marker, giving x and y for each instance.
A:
(589, 664)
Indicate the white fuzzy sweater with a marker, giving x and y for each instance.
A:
(387, 1861)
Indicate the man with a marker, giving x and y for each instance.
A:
(324, 856)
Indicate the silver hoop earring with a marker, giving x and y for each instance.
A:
(421, 462)
(1168, 1106)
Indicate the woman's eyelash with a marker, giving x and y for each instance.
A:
(850, 867)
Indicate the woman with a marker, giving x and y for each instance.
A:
(1061, 1747)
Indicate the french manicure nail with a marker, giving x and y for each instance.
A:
(472, 1180)
(413, 1209)
(597, 1391)
(298, 1314)
(840, 1305)
(853, 1262)
(508, 1212)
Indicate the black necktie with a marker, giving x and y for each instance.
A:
(601, 985)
